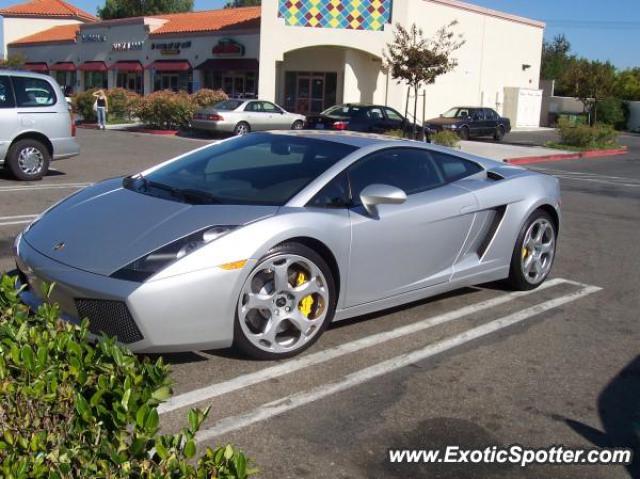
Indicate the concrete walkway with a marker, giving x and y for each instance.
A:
(501, 152)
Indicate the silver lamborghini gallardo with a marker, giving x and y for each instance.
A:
(261, 241)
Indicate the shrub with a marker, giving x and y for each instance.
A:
(584, 136)
(612, 111)
(206, 97)
(122, 103)
(166, 110)
(69, 408)
(83, 104)
(445, 138)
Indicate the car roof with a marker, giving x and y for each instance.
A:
(26, 73)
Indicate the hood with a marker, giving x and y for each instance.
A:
(443, 121)
(105, 227)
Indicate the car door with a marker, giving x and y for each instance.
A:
(275, 117)
(477, 126)
(36, 101)
(377, 120)
(409, 246)
(8, 115)
(394, 120)
(253, 116)
(491, 121)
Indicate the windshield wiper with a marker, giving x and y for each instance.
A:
(186, 195)
(198, 196)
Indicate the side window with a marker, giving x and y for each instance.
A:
(253, 106)
(489, 114)
(6, 93)
(33, 92)
(410, 169)
(335, 194)
(393, 115)
(478, 115)
(454, 168)
(375, 114)
(270, 107)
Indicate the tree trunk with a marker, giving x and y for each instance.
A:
(415, 112)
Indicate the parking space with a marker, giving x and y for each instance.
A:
(477, 367)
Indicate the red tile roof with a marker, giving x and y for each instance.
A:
(209, 21)
(59, 34)
(47, 8)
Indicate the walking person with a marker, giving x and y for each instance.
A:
(101, 107)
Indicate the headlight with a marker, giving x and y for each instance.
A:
(148, 265)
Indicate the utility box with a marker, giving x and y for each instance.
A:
(523, 106)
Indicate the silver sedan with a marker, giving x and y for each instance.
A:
(262, 240)
(244, 116)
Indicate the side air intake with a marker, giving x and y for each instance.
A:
(491, 232)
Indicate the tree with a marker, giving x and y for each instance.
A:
(591, 82)
(137, 8)
(627, 86)
(243, 3)
(555, 57)
(13, 61)
(418, 61)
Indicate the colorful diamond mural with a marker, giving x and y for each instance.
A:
(349, 14)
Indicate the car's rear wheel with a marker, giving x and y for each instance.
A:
(285, 304)
(28, 160)
(534, 252)
(297, 125)
(242, 128)
(499, 133)
(464, 133)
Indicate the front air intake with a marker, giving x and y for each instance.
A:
(109, 317)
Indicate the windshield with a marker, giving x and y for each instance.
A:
(228, 105)
(257, 169)
(457, 113)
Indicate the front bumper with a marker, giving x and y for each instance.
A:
(187, 312)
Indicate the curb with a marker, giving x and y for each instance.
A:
(150, 131)
(566, 156)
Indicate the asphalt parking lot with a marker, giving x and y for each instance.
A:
(474, 368)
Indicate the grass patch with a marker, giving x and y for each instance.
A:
(562, 146)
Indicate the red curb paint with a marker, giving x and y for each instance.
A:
(153, 132)
(566, 156)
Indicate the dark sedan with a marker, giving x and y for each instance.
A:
(362, 118)
(471, 122)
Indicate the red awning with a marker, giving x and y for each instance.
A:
(63, 67)
(93, 67)
(36, 67)
(170, 66)
(129, 67)
(230, 64)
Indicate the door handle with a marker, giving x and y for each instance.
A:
(467, 209)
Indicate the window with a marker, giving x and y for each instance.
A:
(6, 93)
(254, 106)
(478, 115)
(270, 107)
(257, 169)
(33, 92)
(393, 115)
(490, 114)
(227, 105)
(335, 194)
(99, 80)
(412, 170)
(454, 168)
(375, 114)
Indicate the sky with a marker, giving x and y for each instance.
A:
(597, 29)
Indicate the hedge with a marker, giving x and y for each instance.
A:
(70, 408)
(585, 136)
(122, 104)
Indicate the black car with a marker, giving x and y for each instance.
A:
(363, 118)
(471, 122)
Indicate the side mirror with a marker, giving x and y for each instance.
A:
(376, 194)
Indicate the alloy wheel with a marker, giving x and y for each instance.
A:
(538, 250)
(242, 129)
(283, 304)
(30, 160)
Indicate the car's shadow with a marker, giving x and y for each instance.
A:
(619, 411)
(7, 176)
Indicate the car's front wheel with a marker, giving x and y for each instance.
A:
(28, 160)
(534, 252)
(285, 304)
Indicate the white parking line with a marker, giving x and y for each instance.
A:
(282, 405)
(16, 220)
(51, 186)
(215, 390)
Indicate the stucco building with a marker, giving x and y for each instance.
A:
(304, 54)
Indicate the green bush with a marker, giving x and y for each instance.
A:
(71, 409)
(122, 104)
(612, 111)
(166, 110)
(445, 138)
(206, 97)
(584, 136)
(83, 105)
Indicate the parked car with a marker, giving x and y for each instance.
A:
(363, 118)
(37, 125)
(290, 231)
(241, 116)
(471, 122)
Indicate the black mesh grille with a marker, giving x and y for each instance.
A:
(109, 317)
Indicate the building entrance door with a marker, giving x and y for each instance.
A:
(310, 93)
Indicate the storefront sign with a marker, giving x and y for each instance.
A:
(127, 46)
(170, 48)
(228, 47)
(92, 37)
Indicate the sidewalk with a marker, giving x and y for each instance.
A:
(502, 152)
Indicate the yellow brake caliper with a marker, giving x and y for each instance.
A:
(307, 302)
(525, 251)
